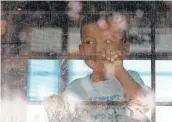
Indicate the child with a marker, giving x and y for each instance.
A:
(105, 38)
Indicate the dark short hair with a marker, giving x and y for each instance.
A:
(93, 18)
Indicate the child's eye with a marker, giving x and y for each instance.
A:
(89, 41)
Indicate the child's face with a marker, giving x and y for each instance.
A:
(95, 37)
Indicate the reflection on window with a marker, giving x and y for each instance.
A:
(46, 40)
(36, 113)
(42, 79)
(163, 80)
(163, 113)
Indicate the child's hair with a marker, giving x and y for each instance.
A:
(93, 18)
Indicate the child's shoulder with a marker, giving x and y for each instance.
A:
(133, 72)
(77, 83)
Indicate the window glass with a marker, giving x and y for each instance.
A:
(163, 80)
(42, 78)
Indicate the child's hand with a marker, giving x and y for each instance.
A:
(54, 107)
(110, 45)
(113, 55)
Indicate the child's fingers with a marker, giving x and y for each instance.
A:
(108, 53)
(108, 49)
(112, 48)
